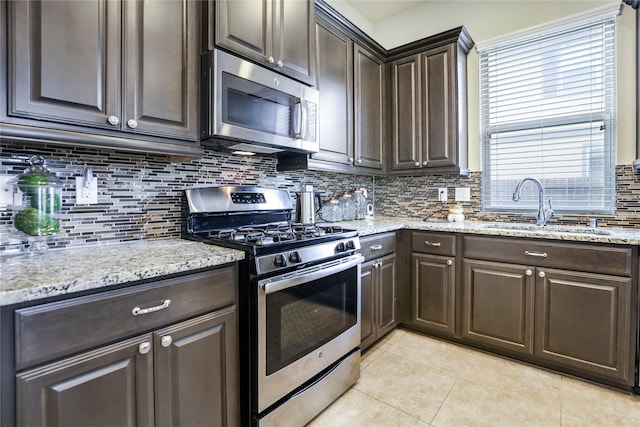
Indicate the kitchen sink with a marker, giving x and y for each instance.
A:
(547, 228)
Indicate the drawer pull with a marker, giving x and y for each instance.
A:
(449, 262)
(541, 274)
(528, 272)
(138, 311)
(375, 247)
(436, 244)
(538, 254)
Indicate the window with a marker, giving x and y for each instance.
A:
(547, 107)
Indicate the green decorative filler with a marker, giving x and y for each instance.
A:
(35, 222)
(32, 182)
(47, 202)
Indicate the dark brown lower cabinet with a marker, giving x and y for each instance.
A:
(434, 296)
(111, 386)
(583, 322)
(378, 299)
(497, 306)
(574, 321)
(187, 372)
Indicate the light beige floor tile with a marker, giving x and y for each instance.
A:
(436, 353)
(471, 404)
(356, 409)
(587, 404)
(391, 338)
(413, 387)
(515, 378)
(369, 356)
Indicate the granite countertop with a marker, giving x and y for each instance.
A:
(66, 271)
(618, 236)
(63, 271)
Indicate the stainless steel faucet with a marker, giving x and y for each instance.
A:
(543, 214)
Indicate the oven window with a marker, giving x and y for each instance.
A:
(253, 106)
(303, 318)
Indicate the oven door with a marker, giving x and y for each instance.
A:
(307, 320)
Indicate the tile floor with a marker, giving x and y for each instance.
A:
(411, 380)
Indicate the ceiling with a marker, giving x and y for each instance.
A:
(377, 10)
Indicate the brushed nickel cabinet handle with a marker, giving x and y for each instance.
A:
(541, 274)
(449, 262)
(132, 123)
(538, 254)
(270, 60)
(280, 64)
(138, 311)
(113, 120)
(435, 244)
(417, 164)
(425, 163)
(166, 340)
(375, 247)
(528, 272)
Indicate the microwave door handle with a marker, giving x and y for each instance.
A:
(297, 120)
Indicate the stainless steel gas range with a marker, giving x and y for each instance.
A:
(299, 300)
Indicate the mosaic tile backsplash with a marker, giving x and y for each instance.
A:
(139, 194)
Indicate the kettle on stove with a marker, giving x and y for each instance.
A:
(306, 206)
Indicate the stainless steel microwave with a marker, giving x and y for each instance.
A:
(250, 108)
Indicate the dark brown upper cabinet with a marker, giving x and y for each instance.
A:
(351, 78)
(276, 33)
(428, 104)
(121, 74)
(368, 109)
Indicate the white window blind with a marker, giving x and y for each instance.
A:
(547, 106)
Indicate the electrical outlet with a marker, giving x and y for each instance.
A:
(6, 192)
(86, 195)
(463, 194)
(442, 194)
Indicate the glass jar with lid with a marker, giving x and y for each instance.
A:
(37, 202)
(347, 207)
(359, 197)
(331, 210)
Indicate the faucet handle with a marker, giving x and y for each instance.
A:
(549, 212)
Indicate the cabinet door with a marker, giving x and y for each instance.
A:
(65, 61)
(367, 319)
(405, 109)
(294, 38)
(582, 323)
(368, 109)
(386, 288)
(162, 68)
(245, 27)
(434, 293)
(111, 386)
(439, 120)
(498, 305)
(196, 372)
(334, 52)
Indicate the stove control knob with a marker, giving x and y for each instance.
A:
(350, 245)
(340, 247)
(294, 257)
(279, 261)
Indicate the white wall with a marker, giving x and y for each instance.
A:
(488, 19)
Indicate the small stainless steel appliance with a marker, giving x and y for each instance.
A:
(247, 107)
(299, 300)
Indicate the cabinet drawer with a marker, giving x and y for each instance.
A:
(57, 329)
(377, 245)
(433, 243)
(540, 253)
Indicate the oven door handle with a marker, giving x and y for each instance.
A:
(278, 283)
